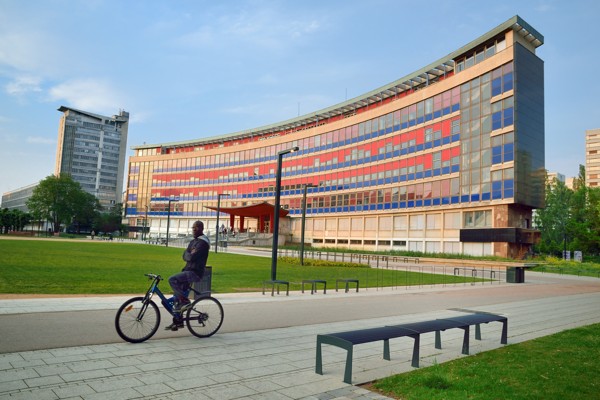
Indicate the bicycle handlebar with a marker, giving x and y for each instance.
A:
(153, 276)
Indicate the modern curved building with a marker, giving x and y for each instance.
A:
(447, 159)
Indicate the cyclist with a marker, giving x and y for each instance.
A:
(195, 257)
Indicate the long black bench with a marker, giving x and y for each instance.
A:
(347, 340)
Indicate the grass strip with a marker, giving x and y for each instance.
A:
(561, 366)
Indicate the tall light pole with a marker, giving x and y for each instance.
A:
(219, 212)
(171, 200)
(276, 211)
(304, 222)
(145, 223)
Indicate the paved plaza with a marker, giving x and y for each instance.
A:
(279, 363)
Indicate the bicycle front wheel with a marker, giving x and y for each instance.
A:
(137, 320)
(205, 316)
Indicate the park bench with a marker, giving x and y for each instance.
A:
(347, 340)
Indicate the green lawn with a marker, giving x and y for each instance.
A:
(85, 267)
(561, 366)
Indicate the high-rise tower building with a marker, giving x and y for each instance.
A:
(91, 148)
(592, 157)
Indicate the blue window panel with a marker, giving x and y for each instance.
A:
(396, 127)
(455, 107)
(402, 204)
(496, 159)
(410, 177)
(436, 202)
(386, 206)
(508, 116)
(395, 204)
(372, 206)
(509, 151)
(381, 156)
(507, 82)
(359, 184)
(496, 86)
(419, 175)
(352, 208)
(438, 142)
(496, 194)
(485, 196)
(411, 149)
(509, 184)
(437, 114)
(395, 179)
(346, 163)
(475, 197)
(428, 145)
(455, 168)
(497, 120)
(445, 200)
(428, 173)
(419, 147)
(402, 178)
(367, 136)
(508, 193)
(436, 172)
(497, 151)
(454, 199)
(388, 130)
(420, 120)
(464, 198)
(411, 122)
(419, 203)
(404, 152)
(380, 181)
(410, 203)
(428, 117)
(404, 125)
(446, 110)
(388, 180)
(361, 161)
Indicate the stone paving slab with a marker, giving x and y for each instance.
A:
(268, 364)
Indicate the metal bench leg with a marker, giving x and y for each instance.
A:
(465, 347)
(319, 362)
(504, 337)
(438, 340)
(348, 372)
(386, 349)
(477, 331)
(415, 356)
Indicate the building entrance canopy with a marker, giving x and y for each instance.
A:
(262, 211)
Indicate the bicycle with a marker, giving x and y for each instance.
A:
(138, 318)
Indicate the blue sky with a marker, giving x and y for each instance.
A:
(189, 69)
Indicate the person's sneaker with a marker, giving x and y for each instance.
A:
(174, 326)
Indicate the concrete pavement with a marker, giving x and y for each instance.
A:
(279, 363)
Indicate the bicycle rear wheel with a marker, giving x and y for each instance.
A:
(137, 320)
(205, 316)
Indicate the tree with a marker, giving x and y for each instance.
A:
(585, 220)
(58, 199)
(110, 221)
(553, 220)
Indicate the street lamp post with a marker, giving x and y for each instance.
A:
(303, 222)
(276, 211)
(145, 223)
(218, 212)
(171, 200)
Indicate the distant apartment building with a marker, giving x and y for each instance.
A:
(91, 148)
(17, 199)
(592, 157)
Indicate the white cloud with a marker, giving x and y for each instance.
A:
(23, 85)
(40, 140)
(94, 95)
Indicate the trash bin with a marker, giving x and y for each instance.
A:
(204, 286)
(515, 275)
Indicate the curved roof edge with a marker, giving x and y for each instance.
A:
(418, 78)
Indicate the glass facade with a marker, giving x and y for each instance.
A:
(446, 148)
